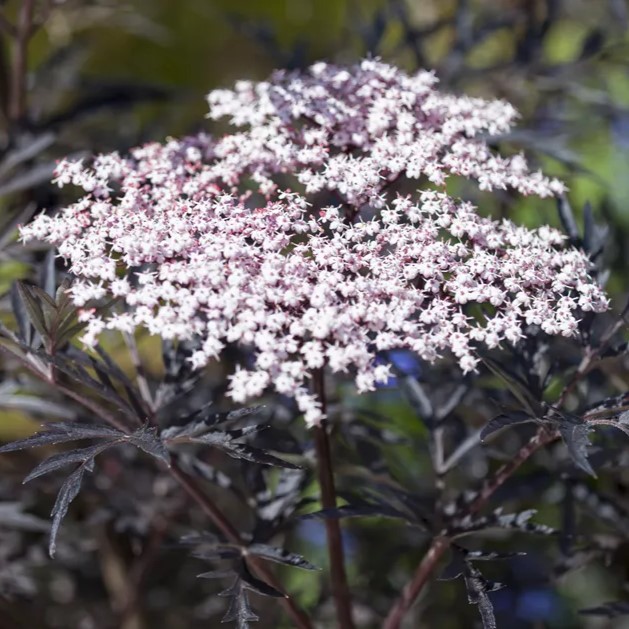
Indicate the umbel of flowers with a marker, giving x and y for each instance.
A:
(286, 236)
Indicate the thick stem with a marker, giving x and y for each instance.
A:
(17, 104)
(336, 554)
(413, 588)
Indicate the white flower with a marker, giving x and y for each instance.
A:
(306, 287)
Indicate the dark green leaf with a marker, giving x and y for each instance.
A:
(62, 459)
(614, 609)
(279, 555)
(518, 389)
(148, 441)
(575, 436)
(68, 492)
(502, 421)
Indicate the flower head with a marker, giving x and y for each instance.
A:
(204, 239)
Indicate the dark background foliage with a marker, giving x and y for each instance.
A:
(83, 76)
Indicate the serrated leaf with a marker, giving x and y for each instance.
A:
(568, 221)
(192, 539)
(477, 588)
(517, 388)
(609, 406)
(593, 236)
(62, 295)
(84, 431)
(149, 441)
(38, 174)
(256, 585)
(37, 405)
(613, 609)
(209, 473)
(47, 274)
(61, 432)
(481, 555)
(33, 308)
(72, 367)
(575, 436)
(67, 332)
(68, 492)
(512, 521)
(279, 555)
(239, 609)
(359, 511)
(243, 412)
(238, 433)
(502, 421)
(26, 149)
(217, 551)
(256, 455)
(215, 574)
(46, 301)
(63, 459)
(21, 314)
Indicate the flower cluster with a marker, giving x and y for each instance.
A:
(202, 238)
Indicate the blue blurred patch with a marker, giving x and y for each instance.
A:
(537, 604)
(405, 363)
(313, 532)
(530, 604)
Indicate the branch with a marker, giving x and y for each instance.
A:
(471, 442)
(441, 544)
(412, 590)
(189, 484)
(340, 588)
(17, 104)
(543, 437)
(191, 487)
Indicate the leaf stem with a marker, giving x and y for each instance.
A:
(191, 487)
(543, 437)
(336, 554)
(189, 484)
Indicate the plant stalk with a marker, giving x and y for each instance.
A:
(191, 487)
(336, 553)
(17, 104)
(189, 484)
(441, 544)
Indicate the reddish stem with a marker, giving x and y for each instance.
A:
(17, 104)
(336, 553)
(416, 585)
(441, 544)
(299, 617)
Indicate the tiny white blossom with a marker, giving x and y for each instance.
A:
(307, 287)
